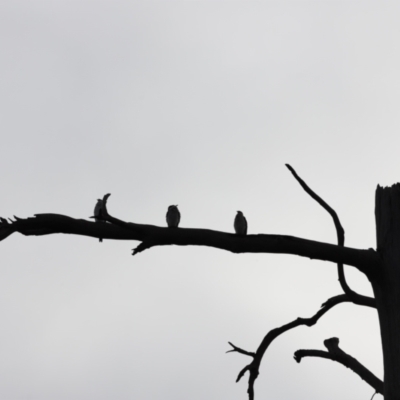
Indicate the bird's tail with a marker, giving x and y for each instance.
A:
(100, 240)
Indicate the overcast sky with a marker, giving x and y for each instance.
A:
(198, 104)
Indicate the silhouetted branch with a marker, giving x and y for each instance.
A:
(353, 296)
(321, 202)
(142, 247)
(334, 353)
(369, 303)
(254, 366)
(152, 243)
(241, 351)
(45, 224)
(125, 225)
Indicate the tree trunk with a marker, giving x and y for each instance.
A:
(386, 285)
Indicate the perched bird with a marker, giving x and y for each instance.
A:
(98, 212)
(240, 224)
(173, 217)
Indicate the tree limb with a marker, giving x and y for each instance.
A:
(254, 366)
(370, 302)
(321, 202)
(241, 351)
(334, 353)
(46, 224)
(353, 296)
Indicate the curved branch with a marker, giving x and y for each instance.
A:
(254, 366)
(353, 296)
(326, 206)
(369, 301)
(334, 353)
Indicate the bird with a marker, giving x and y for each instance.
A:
(98, 212)
(173, 217)
(240, 224)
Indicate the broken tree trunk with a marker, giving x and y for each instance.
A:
(386, 284)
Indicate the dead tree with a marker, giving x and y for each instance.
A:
(381, 267)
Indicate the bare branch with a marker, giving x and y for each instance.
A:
(142, 247)
(334, 353)
(353, 296)
(46, 224)
(241, 351)
(254, 366)
(331, 211)
(240, 376)
(369, 301)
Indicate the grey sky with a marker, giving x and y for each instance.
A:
(198, 104)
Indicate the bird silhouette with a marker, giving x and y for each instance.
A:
(98, 213)
(173, 217)
(240, 224)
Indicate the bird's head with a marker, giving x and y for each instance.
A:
(172, 207)
(240, 213)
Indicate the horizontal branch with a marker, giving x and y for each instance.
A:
(368, 301)
(46, 224)
(335, 353)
